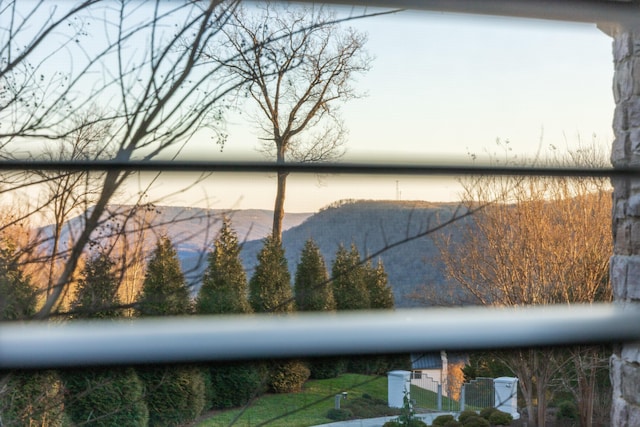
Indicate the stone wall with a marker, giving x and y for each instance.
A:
(625, 263)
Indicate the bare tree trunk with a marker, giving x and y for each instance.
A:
(586, 368)
(590, 395)
(54, 252)
(528, 398)
(542, 406)
(278, 210)
(523, 372)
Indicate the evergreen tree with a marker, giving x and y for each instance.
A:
(103, 397)
(380, 293)
(224, 291)
(361, 287)
(97, 292)
(350, 292)
(174, 394)
(314, 292)
(32, 398)
(164, 290)
(27, 397)
(312, 288)
(270, 292)
(235, 384)
(19, 297)
(224, 285)
(270, 285)
(381, 298)
(349, 285)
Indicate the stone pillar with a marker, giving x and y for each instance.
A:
(625, 262)
(506, 395)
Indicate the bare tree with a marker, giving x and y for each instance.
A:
(299, 66)
(133, 249)
(586, 377)
(540, 241)
(154, 94)
(71, 193)
(27, 32)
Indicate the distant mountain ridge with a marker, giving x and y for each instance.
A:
(190, 228)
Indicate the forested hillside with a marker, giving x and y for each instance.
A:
(373, 226)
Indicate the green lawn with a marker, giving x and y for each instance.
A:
(425, 399)
(306, 408)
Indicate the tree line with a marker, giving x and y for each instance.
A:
(94, 80)
(89, 80)
(171, 395)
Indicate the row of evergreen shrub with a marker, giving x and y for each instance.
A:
(485, 418)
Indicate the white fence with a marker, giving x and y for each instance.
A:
(425, 393)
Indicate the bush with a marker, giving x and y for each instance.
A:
(375, 400)
(362, 409)
(486, 412)
(567, 411)
(500, 418)
(174, 394)
(367, 365)
(412, 423)
(288, 376)
(327, 367)
(234, 384)
(209, 390)
(339, 414)
(398, 362)
(466, 414)
(441, 420)
(32, 398)
(366, 408)
(476, 421)
(105, 397)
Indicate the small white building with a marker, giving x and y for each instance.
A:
(428, 370)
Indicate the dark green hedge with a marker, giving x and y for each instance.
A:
(174, 394)
(288, 376)
(105, 397)
(234, 384)
(442, 420)
(32, 398)
(327, 367)
(477, 421)
(339, 414)
(500, 418)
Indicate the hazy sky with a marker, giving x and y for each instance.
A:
(441, 86)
